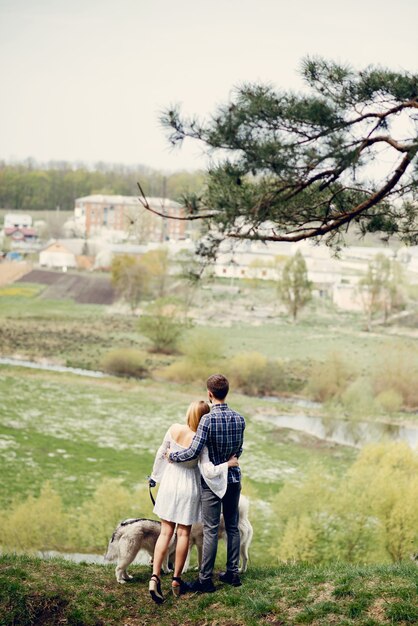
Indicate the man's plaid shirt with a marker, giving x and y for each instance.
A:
(222, 430)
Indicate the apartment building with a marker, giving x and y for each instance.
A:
(125, 214)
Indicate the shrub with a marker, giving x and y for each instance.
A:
(163, 325)
(202, 346)
(36, 523)
(389, 400)
(125, 362)
(330, 379)
(358, 398)
(202, 352)
(99, 515)
(254, 374)
(398, 371)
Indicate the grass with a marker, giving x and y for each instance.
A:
(56, 592)
(113, 428)
(75, 432)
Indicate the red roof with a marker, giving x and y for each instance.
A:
(26, 232)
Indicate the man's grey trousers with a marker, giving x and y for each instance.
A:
(211, 514)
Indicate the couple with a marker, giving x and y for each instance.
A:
(198, 471)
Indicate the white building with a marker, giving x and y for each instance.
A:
(17, 220)
(57, 255)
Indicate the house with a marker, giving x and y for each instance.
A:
(17, 220)
(57, 255)
(20, 234)
(124, 214)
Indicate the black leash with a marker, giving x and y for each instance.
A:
(150, 492)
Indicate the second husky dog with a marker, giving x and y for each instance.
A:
(245, 532)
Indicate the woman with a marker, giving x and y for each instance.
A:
(178, 499)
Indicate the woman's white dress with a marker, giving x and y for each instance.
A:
(178, 498)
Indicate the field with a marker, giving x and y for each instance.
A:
(73, 447)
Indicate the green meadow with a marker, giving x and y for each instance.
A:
(75, 451)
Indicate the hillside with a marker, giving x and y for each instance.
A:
(33, 591)
(84, 289)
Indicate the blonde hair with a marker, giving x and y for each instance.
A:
(195, 412)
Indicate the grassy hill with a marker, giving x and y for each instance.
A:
(33, 591)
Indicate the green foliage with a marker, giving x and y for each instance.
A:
(156, 264)
(30, 186)
(294, 166)
(130, 279)
(398, 372)
(111, 503)
(329, 380)
(381, 288)
(36, 523)
(163, 324)
(370, 513)
(202, 355)
(125, 362)
(253, 374)
(358, 398)
(42, 523)
(389, 400)
(294, 287)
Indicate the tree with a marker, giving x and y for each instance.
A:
(306, 165)
(380, 288)
(163, 325)
(294, 287)
(157, 264)
(130, 279)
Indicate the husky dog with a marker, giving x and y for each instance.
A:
(245, 531)
(131, 536)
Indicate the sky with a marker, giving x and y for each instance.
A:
(86, 80)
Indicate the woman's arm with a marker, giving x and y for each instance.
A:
(161, 462)
(215, 476)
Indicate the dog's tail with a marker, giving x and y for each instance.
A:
(244, 507)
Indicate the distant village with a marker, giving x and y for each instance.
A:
(104, 226)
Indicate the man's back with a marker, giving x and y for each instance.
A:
(225, 437)
(222, 430)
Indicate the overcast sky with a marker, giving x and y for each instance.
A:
(85, 80)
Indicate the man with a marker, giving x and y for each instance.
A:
(222, 430)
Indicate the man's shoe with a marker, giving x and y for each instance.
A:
(198, 587)
(231, 578)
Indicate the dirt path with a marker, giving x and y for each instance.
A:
(13, 270)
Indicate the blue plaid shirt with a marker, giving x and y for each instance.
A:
(222, 430)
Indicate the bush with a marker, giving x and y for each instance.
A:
(398, 371)
(36, 523)
(255, 375)
(125, 362)
(358, 398)
(202, 357)
(330, 379)
(389, 400)
(163, 325)
(41, 523)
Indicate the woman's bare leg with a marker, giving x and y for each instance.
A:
(161, 547)
(182, 548)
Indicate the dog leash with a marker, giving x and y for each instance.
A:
(150, 492)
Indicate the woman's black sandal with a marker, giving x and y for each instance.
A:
(155, 589)
(178, 589)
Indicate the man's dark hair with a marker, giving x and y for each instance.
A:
(218, 385)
